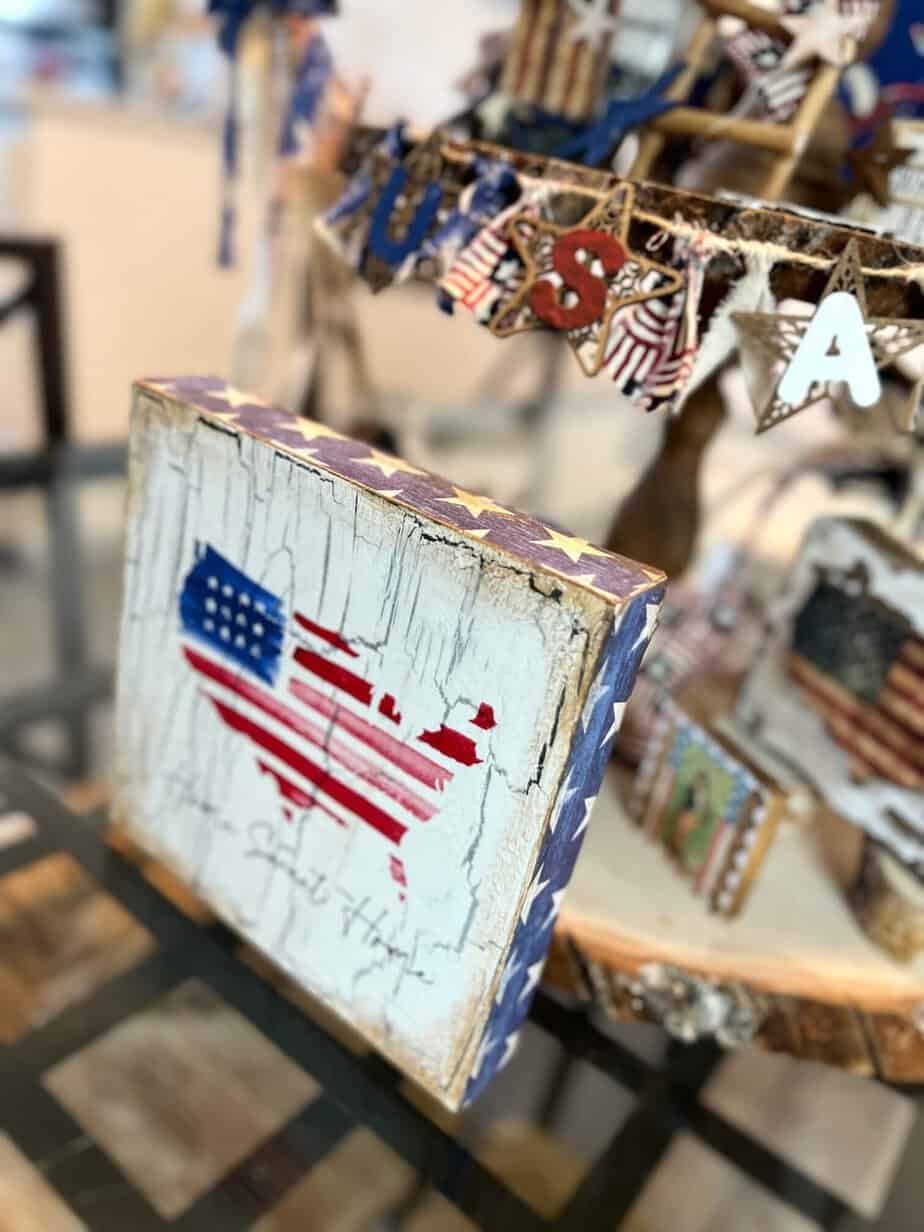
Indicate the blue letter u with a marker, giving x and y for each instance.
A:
(393, 252)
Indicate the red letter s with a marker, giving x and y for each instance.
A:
(589, 288)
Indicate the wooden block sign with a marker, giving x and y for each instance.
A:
(838, 688)
(711, 807)
(364, 714)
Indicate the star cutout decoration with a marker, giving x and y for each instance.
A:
(638, 279)
(533, 975)
(824, 33)
(873, 163)
(557, 900)
(619, 709)
(569, 795)
(485, 1048)
(509, 973)
(585, 820)
(572, 547)
(316, 431)
(652, 616)
(510, 1048)
(777, 337)
(535, 889)
(387, 464)
(235, 399)
(594, 21)
(477, 506)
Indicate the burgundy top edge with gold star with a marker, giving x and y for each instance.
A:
(543, 547)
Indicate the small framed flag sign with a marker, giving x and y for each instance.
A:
(708, 805)
(838, 688)
(365, 713)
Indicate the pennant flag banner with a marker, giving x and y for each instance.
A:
(654, 288)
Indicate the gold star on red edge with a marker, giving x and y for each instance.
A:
(531, 239)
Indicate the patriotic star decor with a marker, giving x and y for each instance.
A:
(366, 713)
(578, 278)
(780, 338)
(568, 555)
(595, 22)
(873, 162)
(826, 32)
(543, 896)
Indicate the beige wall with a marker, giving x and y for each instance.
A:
(133, 200)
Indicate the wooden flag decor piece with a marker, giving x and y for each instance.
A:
(838, 688)
(559, 56)
(791, 67)
(713, 810)
(364, 714)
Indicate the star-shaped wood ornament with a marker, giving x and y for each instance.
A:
(634, 278)
(778, 336)
(872, 164)
(824, 33)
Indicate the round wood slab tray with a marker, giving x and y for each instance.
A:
(826, 992)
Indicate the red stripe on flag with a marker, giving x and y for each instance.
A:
(452, 744)
(414, 764)
(295, 795)
(339, 751)
(354, 803)
(327, 635)
(333, 673)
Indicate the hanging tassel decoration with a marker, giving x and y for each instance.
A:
(312, 78)
(230, 168)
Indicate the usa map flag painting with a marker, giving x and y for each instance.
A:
(365, 713)
(317, 733)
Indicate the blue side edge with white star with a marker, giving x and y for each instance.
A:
(590, 753)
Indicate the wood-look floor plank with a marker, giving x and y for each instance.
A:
(359, 1181)
(61, 938)
(180, 1093)
(27, 1201)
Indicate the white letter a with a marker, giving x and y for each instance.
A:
(834, 348)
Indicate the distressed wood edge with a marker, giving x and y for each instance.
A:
(654, 577)
(881, 1044)
(888, 902)
(622, 952)
(598, 642)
